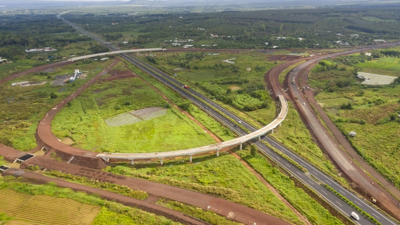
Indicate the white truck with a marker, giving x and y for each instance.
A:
(355, 216)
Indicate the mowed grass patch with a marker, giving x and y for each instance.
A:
(297, 197)
(216, 176)
(21, 108)
(84, 122)
(85, 207)
(294, 134)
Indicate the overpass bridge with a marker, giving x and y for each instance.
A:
(116, 52)
(209, 148)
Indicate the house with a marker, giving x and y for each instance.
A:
(34, 50)
(204, 45)
(274, 46)
(300, 39)
(188, 46)
(125, 42)
(281, 38)
(214, 35)
(114, 24)
(266, 43)
(339, 34)
(176, 44)
(104, 59)
(368, 54)
(2, 60)
(200, 28)
(248, 69)
(49, 49)
(379, 40)
(354, 35)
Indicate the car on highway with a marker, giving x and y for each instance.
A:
(354, 216)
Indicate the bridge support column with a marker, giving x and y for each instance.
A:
(241, 146)
(107, 159)
(272, 131)
(259, 138)
(132, 162)
(162, 161)
(190, 158)
(217, 152)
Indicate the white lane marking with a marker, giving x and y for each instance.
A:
(375, 215)
(328, 182)
(339, 203)
(324, 192)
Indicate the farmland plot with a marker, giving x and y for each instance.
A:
(46, 210)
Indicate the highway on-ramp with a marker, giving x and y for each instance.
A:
(222, 115)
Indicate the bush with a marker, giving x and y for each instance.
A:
(53, 96)
(253, 150)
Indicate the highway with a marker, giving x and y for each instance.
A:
(221, 115)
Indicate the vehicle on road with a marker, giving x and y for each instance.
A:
(186, 87)
(354, 216)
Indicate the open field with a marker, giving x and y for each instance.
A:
(373, 114)
(22, 107)
(84, 122)
(216, 176)
(26, 203)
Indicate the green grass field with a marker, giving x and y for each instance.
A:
(384, 66)
(22, 107)
(84, 123)
(216, 176)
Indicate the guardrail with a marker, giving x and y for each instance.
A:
(215, 147)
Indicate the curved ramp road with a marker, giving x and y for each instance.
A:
(222, 115)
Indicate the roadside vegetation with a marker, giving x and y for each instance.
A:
(22, 107)
(296, 196)
(84, 120)
(54, 205)
(207, 216)
(370, 111)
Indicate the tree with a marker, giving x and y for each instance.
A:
(253, 150)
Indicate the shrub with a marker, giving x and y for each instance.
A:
(53, 96)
